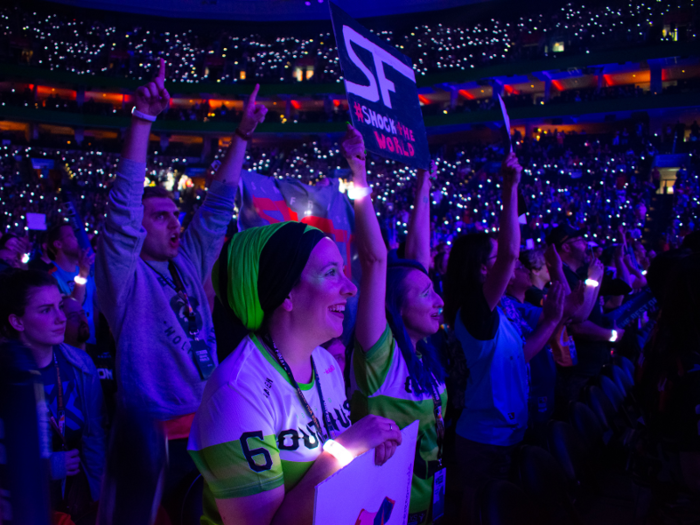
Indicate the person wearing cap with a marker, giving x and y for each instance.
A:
(588, 325)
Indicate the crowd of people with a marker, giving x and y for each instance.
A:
(99, 48)
(190, 368)
(566, 178)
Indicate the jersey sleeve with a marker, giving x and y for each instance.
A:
(371, 367)
(233, 445)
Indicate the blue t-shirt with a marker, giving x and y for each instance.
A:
(543, 370)
(66, 285)
(496, 395)
(75, 415)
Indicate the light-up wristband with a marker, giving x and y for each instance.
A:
(338, 451)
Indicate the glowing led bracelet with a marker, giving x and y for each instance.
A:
(592, 282)
(138, 114)
(80, 280)
(356, 192)
(338, 451)
(613, 336)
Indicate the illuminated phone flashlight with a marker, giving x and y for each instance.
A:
(25, 258)
(592, 282)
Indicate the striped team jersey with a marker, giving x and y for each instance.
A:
(382, 386)
(252, 433)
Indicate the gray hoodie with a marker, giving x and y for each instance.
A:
(155, 367)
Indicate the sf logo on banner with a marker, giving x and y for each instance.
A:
(381, 88)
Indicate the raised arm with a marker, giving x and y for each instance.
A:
(371, 315)
(204, 237)
(590, 294)
(149, 100)
(418, 238)
(229, 172)
(552, 311)
(508, 235)
(123, 235)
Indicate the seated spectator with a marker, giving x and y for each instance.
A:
(31, 311)
(258, 449)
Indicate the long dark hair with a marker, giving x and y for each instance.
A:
(424, 371)
(16, 286)
(467, 255)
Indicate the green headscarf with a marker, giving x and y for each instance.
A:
(262, 265)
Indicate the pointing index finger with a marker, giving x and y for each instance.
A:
(161, 73)
(254, 95)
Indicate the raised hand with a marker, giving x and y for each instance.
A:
(553, 307)
(353, 149)
(428, 175)
(85, 261)
(253, 113)
(153, 98)
(596, 270)
(511, 170)
(552, 259)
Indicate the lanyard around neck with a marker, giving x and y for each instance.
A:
(176, 284)
(61, 408)
(324, 433)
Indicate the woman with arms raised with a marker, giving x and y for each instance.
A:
(395, 373)
(267, 410)
(489, 330)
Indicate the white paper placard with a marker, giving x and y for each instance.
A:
(357, 493)
(36, 221)
(506, 122)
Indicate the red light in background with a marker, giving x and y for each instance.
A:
(608, 80)
(466, 94)
(557, 85)
(508, 89)
(424, 99)
(336, 102)
(295, 104)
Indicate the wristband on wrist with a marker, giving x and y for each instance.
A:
(79, 280)
(138, 114)
(358, 192)
(592, 282)
(244, 136)
(613, 336)
(338, 451)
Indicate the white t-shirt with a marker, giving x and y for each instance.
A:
(252, 433)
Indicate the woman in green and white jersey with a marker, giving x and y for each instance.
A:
(395, 374)
(274, 404)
